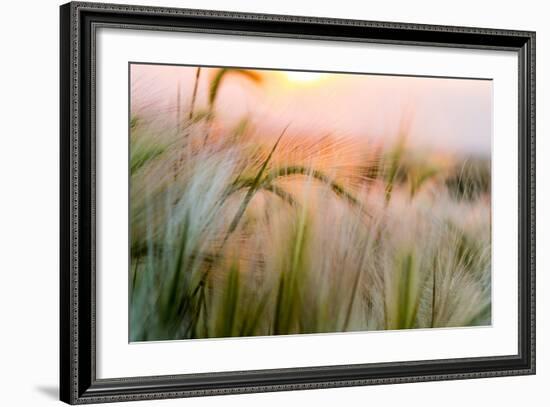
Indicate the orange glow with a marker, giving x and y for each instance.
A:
(308, 77)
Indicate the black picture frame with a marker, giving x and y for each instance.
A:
(78, 382)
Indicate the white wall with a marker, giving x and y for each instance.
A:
(29, 163)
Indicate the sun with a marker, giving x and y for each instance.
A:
(304, 77)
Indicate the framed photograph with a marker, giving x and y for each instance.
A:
(254, 203)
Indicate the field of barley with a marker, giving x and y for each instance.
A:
(238, 230)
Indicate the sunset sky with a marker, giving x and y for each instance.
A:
(449, 115)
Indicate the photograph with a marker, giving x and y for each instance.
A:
(290, 198)
(282, 202)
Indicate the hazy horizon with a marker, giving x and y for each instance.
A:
(441, 114)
